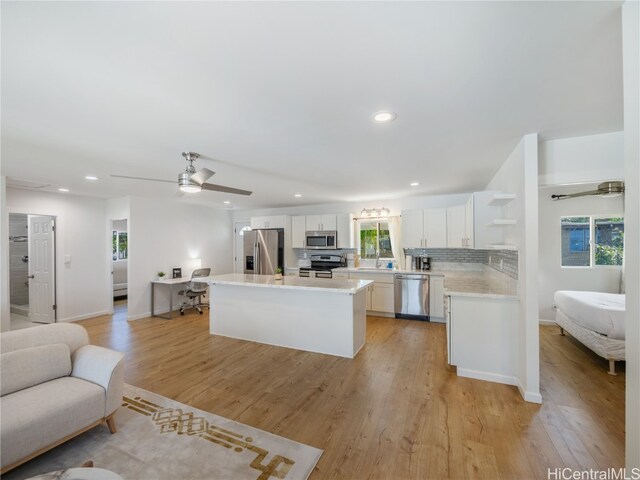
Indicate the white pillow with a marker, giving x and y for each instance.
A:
(31, 366)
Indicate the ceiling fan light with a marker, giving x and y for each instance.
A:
(190, 188)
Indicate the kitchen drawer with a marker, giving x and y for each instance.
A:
(344, 275)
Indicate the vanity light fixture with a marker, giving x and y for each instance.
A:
(91, 178)
(375, 212)
(63, 190)
(384, 116)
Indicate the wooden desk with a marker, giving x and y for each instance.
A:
(169, 282)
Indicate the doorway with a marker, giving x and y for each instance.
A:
(32, 270)
(238, 245)
(119, 266)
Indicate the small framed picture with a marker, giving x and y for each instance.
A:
(177, 273)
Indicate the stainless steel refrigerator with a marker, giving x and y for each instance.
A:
(263, 251)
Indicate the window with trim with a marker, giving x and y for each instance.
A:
(592, 241)
(375, 241)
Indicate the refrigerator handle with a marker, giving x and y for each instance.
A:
(256, 259)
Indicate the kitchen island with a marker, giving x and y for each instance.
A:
(312, 314)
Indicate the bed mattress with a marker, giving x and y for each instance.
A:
(597, 311)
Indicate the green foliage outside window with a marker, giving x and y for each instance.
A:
(375, 241)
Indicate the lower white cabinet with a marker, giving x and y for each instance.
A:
(436, 298)
(343, 275)
(380, 296)
(480, 337)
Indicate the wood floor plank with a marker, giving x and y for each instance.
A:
(396, 411)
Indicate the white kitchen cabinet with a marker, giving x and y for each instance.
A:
(424, 228)
(469, 227)
(298, 229)
(436, 299)
(412, 228)
(435, 228)
(457, 226)
(341, 275)
(319, 223)
(344, 229)
(480, 332)
(276, 221)
(382, 298)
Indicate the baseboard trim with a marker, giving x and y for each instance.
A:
(542, 321)
(487, 376)
(532, 397)
(77, 318)
(139, 316)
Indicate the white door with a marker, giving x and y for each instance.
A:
(42, 269)
(238, 246)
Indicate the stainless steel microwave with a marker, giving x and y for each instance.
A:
(321, 240)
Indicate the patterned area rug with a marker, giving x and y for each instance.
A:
(159, 438)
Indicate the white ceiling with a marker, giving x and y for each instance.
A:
(278, 95)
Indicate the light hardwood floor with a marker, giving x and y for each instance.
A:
(396, 411)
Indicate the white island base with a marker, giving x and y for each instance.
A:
(323, 316)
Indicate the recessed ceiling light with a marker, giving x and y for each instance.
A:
(63, 189)
(297, 195)
(226, 202)
(414, 184)
(91, 177)
(384, 117)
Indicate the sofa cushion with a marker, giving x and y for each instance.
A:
(46, 413)
(73, 335)
(31, 366)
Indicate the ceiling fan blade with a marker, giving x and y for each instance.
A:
(573, 195)
(202, 176)
(222, 188)
(144, 178)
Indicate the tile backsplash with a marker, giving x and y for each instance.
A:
(505, 261)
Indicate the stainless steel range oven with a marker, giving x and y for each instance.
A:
(322, 266)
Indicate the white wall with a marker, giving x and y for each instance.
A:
(81, 286)
(5, 321)
(395, 206)
(631, 78)
(588, 159)
(164, 234)
(519, 174)
(552, 276)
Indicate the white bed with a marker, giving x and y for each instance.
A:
(596, 319)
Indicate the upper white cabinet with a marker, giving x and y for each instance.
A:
(457, 235)
(321, 222)
(344, 229)
(424, 228)
(298, 229)
(276, 221)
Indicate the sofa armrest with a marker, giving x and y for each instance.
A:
(103, 367)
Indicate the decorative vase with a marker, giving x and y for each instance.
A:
(278, 276)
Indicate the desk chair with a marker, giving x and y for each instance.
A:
(194, 291)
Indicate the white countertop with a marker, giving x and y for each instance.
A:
(484, 282)
(334, 285)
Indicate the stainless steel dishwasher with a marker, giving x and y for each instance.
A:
(411, 295)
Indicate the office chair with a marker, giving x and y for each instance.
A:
(194, 291)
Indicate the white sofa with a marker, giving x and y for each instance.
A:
(54, 386)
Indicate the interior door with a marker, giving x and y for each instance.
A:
(240, 229)
(42, 269)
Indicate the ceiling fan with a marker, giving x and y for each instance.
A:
(605, 189)
(191, 181)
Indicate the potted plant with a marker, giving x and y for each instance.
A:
(278, 273)
(161, 275)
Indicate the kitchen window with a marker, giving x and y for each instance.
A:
(375, 239)
(592, 241)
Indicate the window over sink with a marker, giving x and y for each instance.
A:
(374, 239)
